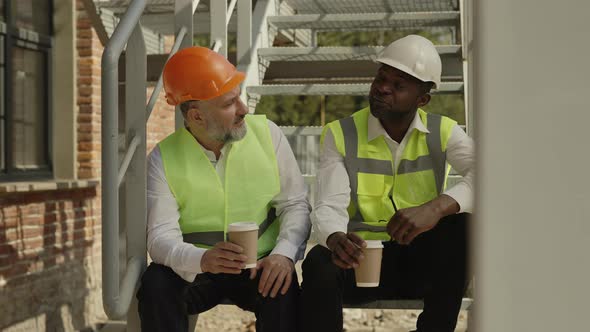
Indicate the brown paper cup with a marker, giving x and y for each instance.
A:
(369, 270)
(245, 234)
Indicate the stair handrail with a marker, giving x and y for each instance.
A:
(247, 59)
(116, 300)
(154, 97)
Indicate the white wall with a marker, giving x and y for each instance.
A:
(532, 235)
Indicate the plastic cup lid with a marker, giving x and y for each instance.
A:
(242, 226)
(372, 244)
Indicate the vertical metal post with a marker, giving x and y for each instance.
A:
(467, 53)
(260, 38)
(218, 12)
(183, 17)
(135, 180)
(244, 33)
(116, 298)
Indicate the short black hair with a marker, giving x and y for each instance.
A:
(425, 87)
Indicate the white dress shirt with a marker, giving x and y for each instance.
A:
(333, 187)
(164, 237)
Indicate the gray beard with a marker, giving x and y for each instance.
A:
(233, 135)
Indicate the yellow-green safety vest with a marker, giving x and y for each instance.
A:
(374, 186)
(206, 206)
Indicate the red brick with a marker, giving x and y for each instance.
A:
(84, 51)
(6, 223)
(33, 243)
(32, 220)
(85, 91)
(9, 211)
(83, 23)
(84, 33)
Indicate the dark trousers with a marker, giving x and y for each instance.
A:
(166, 300)
(432, 267)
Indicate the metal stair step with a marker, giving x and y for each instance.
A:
(370, 6)
(295, 63)
(365, 20)
(337, 53)
(361, 89)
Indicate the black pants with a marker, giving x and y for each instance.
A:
(166, 300)
(432, 267)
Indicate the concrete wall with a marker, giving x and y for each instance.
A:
(533, 205)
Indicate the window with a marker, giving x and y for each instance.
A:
(25, 99)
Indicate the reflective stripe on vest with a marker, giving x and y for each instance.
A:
(211, 238)
(435, 161)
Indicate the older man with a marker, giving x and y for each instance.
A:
(223, 166)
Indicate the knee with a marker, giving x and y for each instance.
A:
(159, 282)
(318, 269)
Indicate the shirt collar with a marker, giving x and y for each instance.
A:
(375, 129)
(210, 154)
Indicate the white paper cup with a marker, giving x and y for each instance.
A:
(245, 234)
(369, 271)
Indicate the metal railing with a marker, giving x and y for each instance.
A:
(116, 299)
(129, 178)
(130, 175)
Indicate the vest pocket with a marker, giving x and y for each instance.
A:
(371, 184)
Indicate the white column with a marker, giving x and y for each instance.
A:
(532, 228)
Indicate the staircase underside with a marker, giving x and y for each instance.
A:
(370, 6)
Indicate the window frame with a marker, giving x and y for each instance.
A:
(11, 37)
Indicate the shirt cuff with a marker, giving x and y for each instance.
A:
(323, 233)
(287, 249)
(462, 195)
(191, 264)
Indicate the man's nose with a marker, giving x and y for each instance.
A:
(383, 89)
(242, 108)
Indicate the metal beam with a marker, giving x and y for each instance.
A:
(335, 89)
(218, 25)
(338, 53)
(96, 21)
(365, 21)
(183, 17)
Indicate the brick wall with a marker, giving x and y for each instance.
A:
(50, 240)
(49, 260)
(89, 51)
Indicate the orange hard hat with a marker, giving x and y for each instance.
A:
(198, 73)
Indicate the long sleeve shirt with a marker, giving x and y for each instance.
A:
(164, 237)
(333, 187)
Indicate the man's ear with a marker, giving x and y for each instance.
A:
(194, 115)
(424, 100)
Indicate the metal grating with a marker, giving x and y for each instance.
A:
(154, 42)
(335, 53)
(152, 6)
(334, 89)
(370, 6)
(366, 21)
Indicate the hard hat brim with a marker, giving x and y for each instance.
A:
(405, 69)
(237, 78)
(234, 81)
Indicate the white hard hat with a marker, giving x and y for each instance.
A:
(414, 55)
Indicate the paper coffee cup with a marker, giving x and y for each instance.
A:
(369, 270)
(245, 234)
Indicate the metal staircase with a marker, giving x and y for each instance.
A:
(303, 68)
(316, 70)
